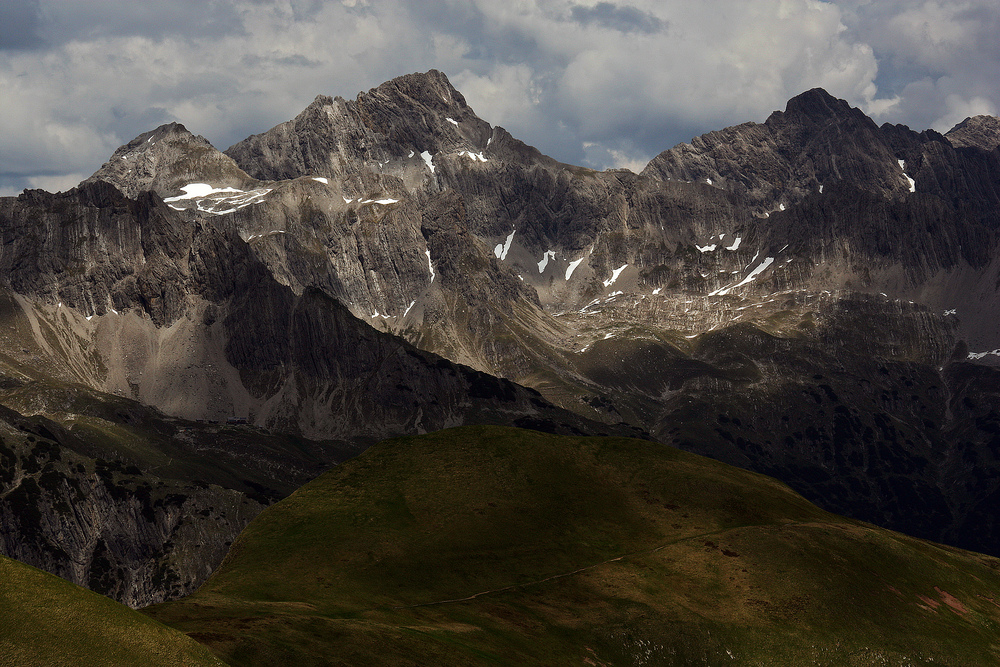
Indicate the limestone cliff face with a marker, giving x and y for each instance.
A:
(182, 314)
(816, 141)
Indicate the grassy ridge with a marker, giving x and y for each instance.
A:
(49, 621)
(488, 545)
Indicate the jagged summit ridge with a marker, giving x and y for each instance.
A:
(395, 130)
(816, 141)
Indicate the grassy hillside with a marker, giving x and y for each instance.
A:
(49, 621)
(487, 545)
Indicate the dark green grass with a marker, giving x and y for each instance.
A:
(488, 545)
(48, 621)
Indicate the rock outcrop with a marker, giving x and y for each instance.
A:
(166, 159)
(981, 132)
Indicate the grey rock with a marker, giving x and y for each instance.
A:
(166, 159)
(978, 132)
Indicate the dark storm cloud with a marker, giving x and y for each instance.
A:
(90, 19)
(621, 18)
(19, 23)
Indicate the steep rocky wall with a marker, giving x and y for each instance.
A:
(109, 527)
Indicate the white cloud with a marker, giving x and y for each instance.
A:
(938, 60)
(627, 78)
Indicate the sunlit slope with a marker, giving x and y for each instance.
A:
(487, 545)
(49, 621)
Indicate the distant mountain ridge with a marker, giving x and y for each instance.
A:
(813, 297)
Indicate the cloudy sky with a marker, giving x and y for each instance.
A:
(598, 83)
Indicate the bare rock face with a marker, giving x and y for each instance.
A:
(394, 130)
(108, 527)
(981, 132)
(816, 141)
(203, 283)
(95, 250)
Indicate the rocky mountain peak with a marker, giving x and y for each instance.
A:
(393, 131)
(979, 131)
(422, 110)
(816, 141)
(167, 159)
(430, 89)
(817, 104)
(817, 112)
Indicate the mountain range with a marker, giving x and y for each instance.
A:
(190, 335)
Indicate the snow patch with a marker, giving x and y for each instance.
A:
(980, 355)
(473, 156)
(207, 199)
(913, 183)
(503, 248)
(736, 244)
(452, 121)
(546, 256)
(251, 237)
(572, 267)
(320, 179)
(951, 312)
(194, 190)
(753, 274)
(708, 180)
(781, 207)
(821, 188)
(383, 202)
(411, 154)
(429, 265)
(657, 290)
(428, 159)
(405, 312)
(708, 248)
(614, 275)
(346, 200)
